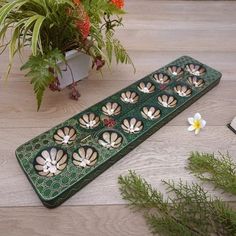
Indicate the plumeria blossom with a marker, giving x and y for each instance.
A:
(196, 123)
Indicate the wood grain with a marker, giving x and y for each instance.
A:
(155, 33)
(72, 221)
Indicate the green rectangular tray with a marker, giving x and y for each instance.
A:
(62, 160)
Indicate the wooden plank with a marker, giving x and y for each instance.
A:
(162, 156)
(145, 62)
(148, 61)
(72, 221)
(193, 11)
(186, 40)
(18, 108)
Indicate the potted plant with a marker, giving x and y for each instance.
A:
(58, 32)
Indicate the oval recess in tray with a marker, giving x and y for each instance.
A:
(85, 156)
(110, 139)
(183, 90)
(111, 109)
(50, 162)
(195, 81)
(65, 135)
(132, 125)
(167, 101)
(146, 87)
(195, 69)
(150, 113)
(175, 70)
(129, 97)
(161, 78)
(89, 121)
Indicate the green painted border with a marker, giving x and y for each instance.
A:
(55, 190)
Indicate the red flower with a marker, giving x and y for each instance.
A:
(109, 122)
(119, 3)
(84, 26)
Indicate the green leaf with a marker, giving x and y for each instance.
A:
(221, 171)
(42, 70)
(12, 50)
(7, 8)
(35, 35)
(187, 211)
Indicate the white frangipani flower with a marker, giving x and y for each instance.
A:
(196, 123)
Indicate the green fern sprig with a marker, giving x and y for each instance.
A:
(221, 171)
(189, 211)
(43, 69)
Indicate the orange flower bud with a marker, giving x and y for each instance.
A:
(118, 3)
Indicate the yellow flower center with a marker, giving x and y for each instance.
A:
(197, 124)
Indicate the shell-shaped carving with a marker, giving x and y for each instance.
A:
(161, 78)
(195, 81)
(65, 135)
(183, 90)
(146, 88)
(150, 113)
(85, 156)
(89, 121)
(132, 125)
(167, 101)
(110, 140)
(129, 97)
(111, 109)
(175, 70)
(195, 69)
(51, 162)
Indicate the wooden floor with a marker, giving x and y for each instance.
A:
(155, 33)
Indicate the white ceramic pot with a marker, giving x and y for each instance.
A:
(78, 67)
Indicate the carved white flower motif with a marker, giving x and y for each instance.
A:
(195, 69)
(183, 90)
(167, 101)
(65, 135)
(146, 88)
(110, 140)
(150, 113)
(195, 81)
(89, 121)
(129, 97)
(132, 125)
(85, 157)
(175, 70)
(111, 109)
(51, 162)
(161, 78)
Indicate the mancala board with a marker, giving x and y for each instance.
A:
(62, 160)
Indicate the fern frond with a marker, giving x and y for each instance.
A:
(189, 210)
(42, 70)
(221, 171)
